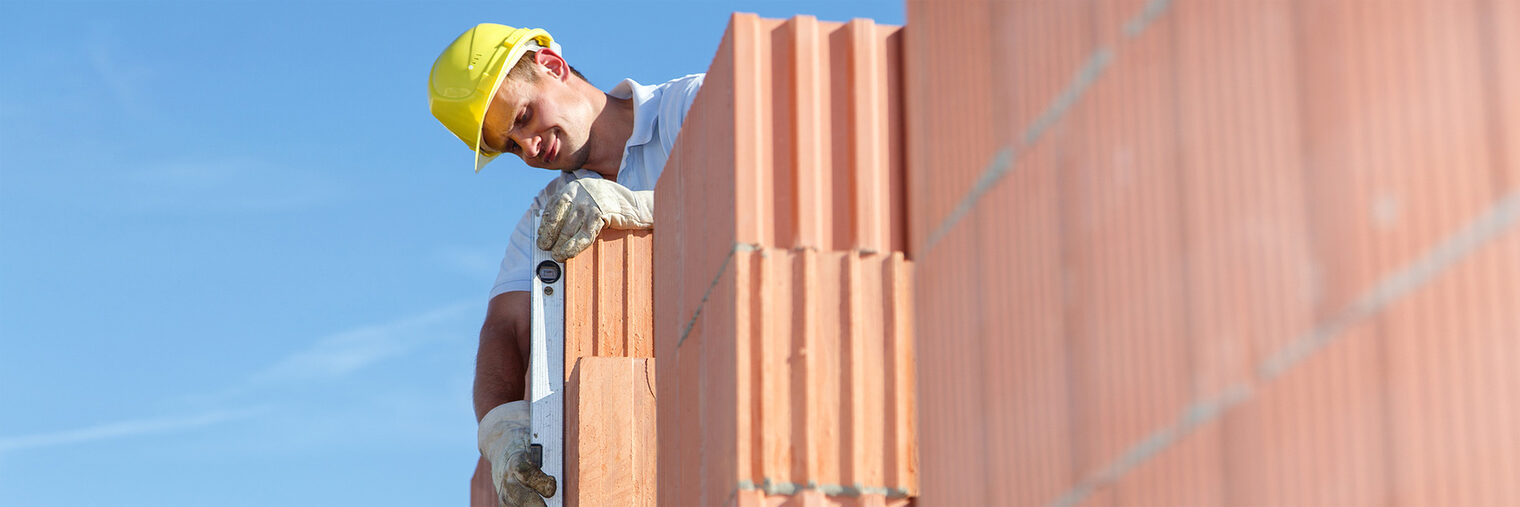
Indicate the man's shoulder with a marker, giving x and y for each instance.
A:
(684, 86)
(679, 93)
(681, 81)
(689, 79)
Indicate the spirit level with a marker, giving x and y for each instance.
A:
(546, 366)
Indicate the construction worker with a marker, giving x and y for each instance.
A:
(510, 90)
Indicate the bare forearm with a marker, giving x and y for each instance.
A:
(501, 362)
(499, 372)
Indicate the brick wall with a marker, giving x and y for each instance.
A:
(1216, 253)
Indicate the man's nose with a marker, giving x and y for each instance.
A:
(530, 144)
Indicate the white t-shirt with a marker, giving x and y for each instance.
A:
(658, 112)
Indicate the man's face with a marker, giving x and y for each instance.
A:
(542, 121)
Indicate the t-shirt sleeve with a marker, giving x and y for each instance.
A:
(514, 272)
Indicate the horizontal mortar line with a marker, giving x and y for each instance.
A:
(1500, 217)
(1143, 19)
(816, 249)
(722, 268)
(1494, 222)
(1002, 161)
(772, 487)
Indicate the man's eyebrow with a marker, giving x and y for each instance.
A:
(517, 113)
(485, 144)
(514, 111)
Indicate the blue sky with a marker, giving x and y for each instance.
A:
(240, 264)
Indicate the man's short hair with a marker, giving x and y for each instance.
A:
(523, 71)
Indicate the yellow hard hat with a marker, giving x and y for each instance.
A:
(466, 75)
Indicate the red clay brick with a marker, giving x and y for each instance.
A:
(610, 433)
(784, 203)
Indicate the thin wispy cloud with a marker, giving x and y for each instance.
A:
(331, 357)
(125, 78)
(475, 262)
(124, 429)
(225, 186)
(344, 353)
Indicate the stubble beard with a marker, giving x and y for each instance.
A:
(580, 156)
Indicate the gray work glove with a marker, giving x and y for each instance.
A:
(505, 434)
(575, 216)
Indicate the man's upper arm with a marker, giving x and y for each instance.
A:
(513, 273)
(501, 364)
(509, 314)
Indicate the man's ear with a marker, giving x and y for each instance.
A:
(554, 62)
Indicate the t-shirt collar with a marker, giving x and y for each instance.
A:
(644, 107)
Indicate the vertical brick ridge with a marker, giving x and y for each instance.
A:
(866, 148)
(751, 157)
(901, 433)
(852, 380)
(804, 372)
(609, 258)
(808, 92)
(641, 294)
(745, 367)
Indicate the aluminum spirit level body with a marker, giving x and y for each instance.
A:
(546, 366)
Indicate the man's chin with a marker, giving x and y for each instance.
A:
(573, 161)
(553, 166)
(577, 159)
(558, 166)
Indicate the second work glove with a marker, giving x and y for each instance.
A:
(575, 216)
(505, 434)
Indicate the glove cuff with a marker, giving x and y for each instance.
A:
(502, 425)
(623, 208)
